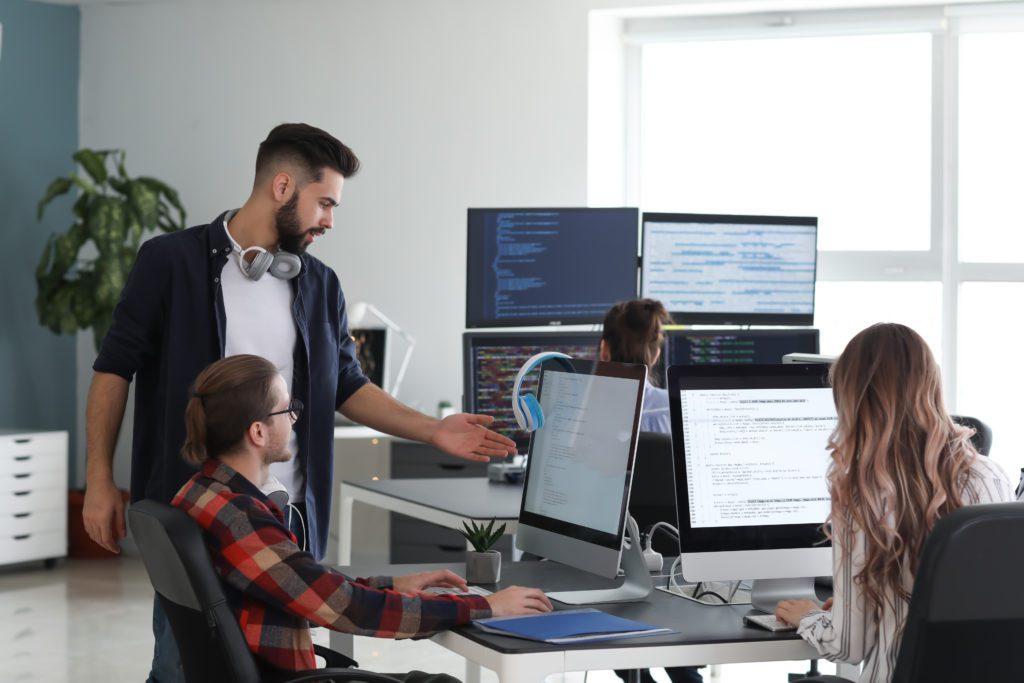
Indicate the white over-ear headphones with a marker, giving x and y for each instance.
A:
(282, 264)
(526, 408)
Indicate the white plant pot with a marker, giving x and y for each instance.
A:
(483, 567)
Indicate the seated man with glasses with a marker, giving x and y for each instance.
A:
(238, 421)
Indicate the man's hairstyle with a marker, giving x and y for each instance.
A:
(226, 398)
(632, 330)
(309, 149)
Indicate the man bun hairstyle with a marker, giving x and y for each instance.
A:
(632, 330)
(227, 397)
(307, 148)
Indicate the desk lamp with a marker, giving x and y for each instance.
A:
(358, 314)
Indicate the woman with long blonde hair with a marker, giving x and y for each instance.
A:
(899, 463)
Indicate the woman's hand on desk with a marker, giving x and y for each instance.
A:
(516, 601)
(792, 611)
(414, 583)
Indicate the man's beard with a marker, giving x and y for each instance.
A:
(290, 235)
(277, 455)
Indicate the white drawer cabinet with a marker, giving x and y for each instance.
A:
(33, 496)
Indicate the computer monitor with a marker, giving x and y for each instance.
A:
(750, 444)
(549, 266)
(731, 270)
(491, 361)
(763, 347)
(576, 492)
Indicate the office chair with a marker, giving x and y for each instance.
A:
(982, 438)
(209, 638)
(652, 498)
(966, 618)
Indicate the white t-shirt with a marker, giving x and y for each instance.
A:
(260, 322)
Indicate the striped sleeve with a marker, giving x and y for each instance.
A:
(259, 558)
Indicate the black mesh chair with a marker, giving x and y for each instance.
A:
(982, 438)
(966, 616)
(209, 638)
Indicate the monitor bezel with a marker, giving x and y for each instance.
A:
(737, 317)
(723, 376)
(485, 323)
(671, 334)
(582, 534)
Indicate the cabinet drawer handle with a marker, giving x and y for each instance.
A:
(23, 441)
(24, 475)
(452, 467)
(21, 537)
(21, 515)
(22, 458)
(451, 548)
(22, 493)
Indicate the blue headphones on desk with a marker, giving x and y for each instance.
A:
(526, 408)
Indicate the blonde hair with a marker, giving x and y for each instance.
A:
(227, 397)
(899, 462)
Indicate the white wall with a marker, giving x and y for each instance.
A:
(448, 103)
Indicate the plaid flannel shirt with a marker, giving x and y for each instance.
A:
(276, 589)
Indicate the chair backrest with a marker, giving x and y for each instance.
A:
(982, 438)
(209, 638)
(652, 497)
(966, 616)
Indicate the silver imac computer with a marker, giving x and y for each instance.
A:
(576, 495)
(750, 445)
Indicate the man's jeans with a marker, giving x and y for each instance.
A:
(166, 666)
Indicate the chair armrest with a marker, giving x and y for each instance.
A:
(339, 676)
(334, 659)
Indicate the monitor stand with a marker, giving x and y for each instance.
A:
(636, 584)
(766, 593)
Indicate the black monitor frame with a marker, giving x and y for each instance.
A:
(737, 317)
(548, 340)
(720, 376)
(474, 323)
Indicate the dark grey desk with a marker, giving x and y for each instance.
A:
(446, 502)
(706, 634)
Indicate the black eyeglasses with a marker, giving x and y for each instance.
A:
(294, 410)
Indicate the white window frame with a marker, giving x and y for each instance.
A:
(946, 23)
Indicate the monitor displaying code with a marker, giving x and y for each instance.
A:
(493, 361)
(549, 266)
(763, 347)
(742, 270)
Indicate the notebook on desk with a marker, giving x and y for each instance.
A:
(569, 626)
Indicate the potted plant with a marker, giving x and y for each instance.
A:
(483, 565)
(82, 271)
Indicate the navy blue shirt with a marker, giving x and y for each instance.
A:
(169, 325)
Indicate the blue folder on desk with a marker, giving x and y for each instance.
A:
(569, 626)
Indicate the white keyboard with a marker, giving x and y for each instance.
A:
(767, 621)
(472, 590)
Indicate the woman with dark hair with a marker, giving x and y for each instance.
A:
(899, 463)
(633, 334)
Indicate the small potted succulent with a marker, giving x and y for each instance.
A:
(483, 565)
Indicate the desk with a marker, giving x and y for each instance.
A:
(707, 634)
(446, 502)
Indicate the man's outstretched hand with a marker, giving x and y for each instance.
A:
(466, 436)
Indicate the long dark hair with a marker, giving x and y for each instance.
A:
(227, 397)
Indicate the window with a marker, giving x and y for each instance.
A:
(899, 128)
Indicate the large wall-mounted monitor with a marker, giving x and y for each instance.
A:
(751, 463)
(549, 266)
(731, 270)
(492, 359)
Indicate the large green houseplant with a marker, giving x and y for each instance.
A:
(81, 272)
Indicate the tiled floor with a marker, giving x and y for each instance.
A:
(89, 621)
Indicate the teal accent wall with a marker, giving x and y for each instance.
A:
(38, 133)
